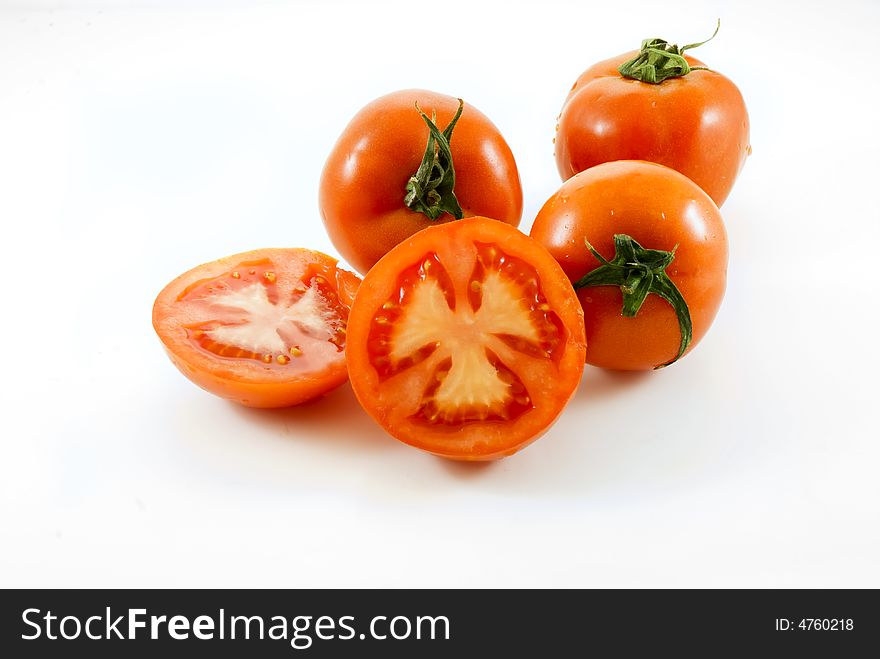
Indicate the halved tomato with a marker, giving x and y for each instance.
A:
(264, 328)
(466, 340)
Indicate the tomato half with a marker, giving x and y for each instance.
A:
(466, 340)
(264, 328)
(695, 123)
(664, 213)
(364, 183)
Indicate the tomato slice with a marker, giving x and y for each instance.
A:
(466, 340)
(264, 328)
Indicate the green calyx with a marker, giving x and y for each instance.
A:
(639, 272)
(431, 189)
(658, 60)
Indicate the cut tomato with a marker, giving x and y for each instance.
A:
(265, 328)
(466, 340)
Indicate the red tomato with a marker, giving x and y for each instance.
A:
(466, 340)
(679, 236)
(366, 177)
(264, 328)
(695, 123)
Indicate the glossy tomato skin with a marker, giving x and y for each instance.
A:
(696, 124)
(661, 209)
(455, 250)
(364, 179)
(249, 381)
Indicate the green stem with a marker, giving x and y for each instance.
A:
(431, 190)
(639, 272)
(659, 60)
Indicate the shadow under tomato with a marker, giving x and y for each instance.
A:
(332, 443)
(559, 460)
(336, 418)
(468, 470)
(598, 383)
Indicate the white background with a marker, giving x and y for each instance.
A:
(138, 140)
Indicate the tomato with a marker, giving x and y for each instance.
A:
(695, 122)
(389, 175)
(466, 340)
(659, 297)
(264, 328)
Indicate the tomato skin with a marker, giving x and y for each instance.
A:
(696, 124)
(260, 394)
(551, 383)
(251, 385)
(660, 208)
(364, 179)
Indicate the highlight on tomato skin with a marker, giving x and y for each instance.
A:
(659, 213)
(264, 328)
(466, 341)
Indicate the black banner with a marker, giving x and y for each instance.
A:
(434, 623)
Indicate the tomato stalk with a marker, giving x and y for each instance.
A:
(639, 272)
(658, 60)
(431, 189)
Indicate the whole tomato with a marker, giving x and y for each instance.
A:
(410, 160)
(646, 250)
(660, 105)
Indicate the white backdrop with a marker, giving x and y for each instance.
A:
(140, 139)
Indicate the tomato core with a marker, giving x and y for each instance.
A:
(244, 314)
(423, 318)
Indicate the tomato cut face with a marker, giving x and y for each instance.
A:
(242, 315)
(464, 340)
(264, 328)
(503, 306)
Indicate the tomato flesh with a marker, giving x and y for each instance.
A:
(273, 319)
(246, 316)
(503, 301)
(465, 340)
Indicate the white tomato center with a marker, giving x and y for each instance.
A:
(253, 313)
(267, 327)
(466, 339)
